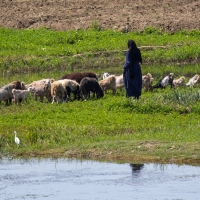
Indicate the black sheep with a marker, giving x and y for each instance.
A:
(88, 85)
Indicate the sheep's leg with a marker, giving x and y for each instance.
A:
(48, 98)
(17, 101)
(75, 94)
(10, 101)
(84, 94)
(41, 98)
(35, 97)
(93, 94)
(172, 85)
(79, 96)
(65, 96)
(68, 92)
(158, 86)
(151, 88)
(53, 99)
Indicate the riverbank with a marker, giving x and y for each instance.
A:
(163, 126)
(111, 128)
(143, 152)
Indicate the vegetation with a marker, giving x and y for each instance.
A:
(44, 49)
(162, 126)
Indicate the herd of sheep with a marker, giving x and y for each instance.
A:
(81, 85)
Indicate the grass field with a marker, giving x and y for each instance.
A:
(44, 49)
(162, 126)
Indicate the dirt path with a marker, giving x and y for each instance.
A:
(119, 14)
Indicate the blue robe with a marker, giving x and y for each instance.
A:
(132, 77)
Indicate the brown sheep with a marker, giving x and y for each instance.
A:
(19, 85)
(108, 83)
(119, 80)
(77, 76)
(90, 74)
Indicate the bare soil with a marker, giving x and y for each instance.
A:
(126, 15)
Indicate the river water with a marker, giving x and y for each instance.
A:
(63, 179)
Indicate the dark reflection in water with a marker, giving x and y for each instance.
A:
(66, 179)
(136, 167)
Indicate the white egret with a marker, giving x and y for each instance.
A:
(17, 141)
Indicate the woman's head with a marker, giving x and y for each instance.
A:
(131, 45)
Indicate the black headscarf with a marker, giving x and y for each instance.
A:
(134, 51)
(131, 45)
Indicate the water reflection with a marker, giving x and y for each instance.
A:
(136, 167)
(84, 179)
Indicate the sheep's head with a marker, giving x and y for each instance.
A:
(47, 85)
(30, 89)
(105, 75)
(171, 75)
(99, 93)
(198, 79)
(13, 91)
(149, 75)
(195, 76)
(23, 87)
(182, 77)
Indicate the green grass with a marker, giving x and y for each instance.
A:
(44, 49)
(163, 125)
(101, 125)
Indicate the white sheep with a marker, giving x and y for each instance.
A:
(167, 80)
(19, 95)
(70, 86)
(119, 81)
(39, 82)
(58, 92)
(179, 82)
(6, 93)
(192, 81)
(105, 75)
(41, 89)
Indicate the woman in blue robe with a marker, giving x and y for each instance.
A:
(132, 72)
